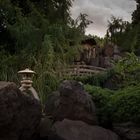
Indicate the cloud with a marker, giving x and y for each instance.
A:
(100, 11)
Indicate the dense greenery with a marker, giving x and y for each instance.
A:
(101, 98)
(136, 13)
(125, 105)
(40, 35)
(116, 106)
(129, 69)
(126, 72)
(122, 104)
(126, 35)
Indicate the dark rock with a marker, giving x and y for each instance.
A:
(45, 127)
(138, 52)
(78, 130)
(72, 102)
(19, 114)
(45, 130)
(128, 131)
(109, 50)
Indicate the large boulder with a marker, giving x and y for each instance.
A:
(128, 131)
(71, 102)
(46, 131)
(19, 114)
(78, 130)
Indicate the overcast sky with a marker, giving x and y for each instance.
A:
(100, 11)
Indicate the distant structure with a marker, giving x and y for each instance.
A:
(110, 53)
(94, 55)
(89, 52)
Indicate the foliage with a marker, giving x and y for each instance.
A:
(100, 41)
(128, 40)
(126, 35)
(101, 97)
(136, 25)
(125, 105)
(121, 33)
(82, 22)
(136, 14)
(125, 73)
(116, 106)
(31, 37)
(115, 28)
(128, 67)
(128, 64)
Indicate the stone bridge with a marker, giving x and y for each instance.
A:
(81, 71)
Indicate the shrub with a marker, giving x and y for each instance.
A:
(101, 97)
(125, 105)
(116, 106)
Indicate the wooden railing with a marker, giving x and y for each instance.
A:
(81, 70)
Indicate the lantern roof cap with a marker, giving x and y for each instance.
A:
(27, 70)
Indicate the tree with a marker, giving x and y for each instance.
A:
(116, 26)
(136, 25)
(82, 21)
(136, 14)
(36, 34)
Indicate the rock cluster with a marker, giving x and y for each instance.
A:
(78, 130)
(70, 115)
(71, 102)
(128, 131)
(19, 114)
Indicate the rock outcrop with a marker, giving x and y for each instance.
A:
(70, 115)
(71, 102)
(78, 130)
(128, 131)
(19, 114)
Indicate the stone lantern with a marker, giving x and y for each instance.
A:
(26, 82)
